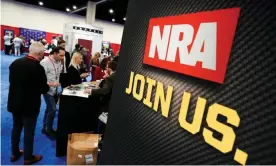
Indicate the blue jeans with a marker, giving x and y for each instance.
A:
(50, 111)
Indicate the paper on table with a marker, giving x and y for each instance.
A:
(68, 92)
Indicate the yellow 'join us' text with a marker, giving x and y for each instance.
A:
(163, 99)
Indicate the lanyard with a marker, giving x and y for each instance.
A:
(53, 66)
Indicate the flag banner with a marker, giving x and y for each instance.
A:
(28, 33)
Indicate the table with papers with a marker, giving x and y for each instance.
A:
(78, 90)
(78, 113)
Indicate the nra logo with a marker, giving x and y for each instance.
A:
(196, 44)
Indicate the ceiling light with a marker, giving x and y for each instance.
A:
(75, 7)
(111, 11)
(124, 18)
(113, 19)
(40, 3)
(67, 9)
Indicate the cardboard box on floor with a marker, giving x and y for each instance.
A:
(82, 149)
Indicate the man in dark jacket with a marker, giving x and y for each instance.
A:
(105, 91)
(106, 86)
(116, 58)
(27, 82)
(66, 63)
(77, 49)
(67, 59)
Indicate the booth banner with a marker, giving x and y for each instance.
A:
(50, 36)
(195, 85)
(115, 47)
(28, 33)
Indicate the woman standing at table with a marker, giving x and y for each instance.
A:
(74, 75)
(100, 71)
(94, 62)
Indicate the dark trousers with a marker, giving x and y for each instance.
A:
(7, 50)
(29, 123)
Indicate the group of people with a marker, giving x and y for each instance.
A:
(13, 44)
(58, 69)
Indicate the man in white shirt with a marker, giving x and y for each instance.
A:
(17, 44)
(55, 41)
(31, 40)
(7, 42)
(52, 66)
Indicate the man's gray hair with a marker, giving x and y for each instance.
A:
(36, 48)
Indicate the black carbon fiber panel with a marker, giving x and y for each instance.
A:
(136, 134)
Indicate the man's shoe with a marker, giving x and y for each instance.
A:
(16, 157)
(35, 159)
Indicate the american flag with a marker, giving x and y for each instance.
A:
(28, 33)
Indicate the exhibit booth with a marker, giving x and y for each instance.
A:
(88, 36)
(195, 85)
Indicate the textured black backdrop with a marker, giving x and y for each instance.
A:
(136, 134)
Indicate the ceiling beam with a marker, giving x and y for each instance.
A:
(80, 9)
(85, 7)
(102, 1)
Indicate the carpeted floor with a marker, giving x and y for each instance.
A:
(42, 144)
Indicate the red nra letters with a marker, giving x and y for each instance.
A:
(197, 44)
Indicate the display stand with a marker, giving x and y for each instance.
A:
(86, 35)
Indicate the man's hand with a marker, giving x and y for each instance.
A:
(87, 91)
(50, 83)
(54, 84)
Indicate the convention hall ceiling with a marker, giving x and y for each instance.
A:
(108, 10)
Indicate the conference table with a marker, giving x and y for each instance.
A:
(76, 115)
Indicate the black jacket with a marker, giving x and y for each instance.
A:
(105, 92)
(67, 59)
(27, 82)
(62, 78)
(116, 59)
(73, 76)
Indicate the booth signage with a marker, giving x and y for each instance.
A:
(176, 104)
(178, 43)
(197, 44)
(88, 30)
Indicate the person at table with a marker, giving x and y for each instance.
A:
(51, 46)
(65, 63)
(77, 49)
(100, 71)
(52, 66)
(67, 58)
(24, 100)
(106, 86)
(116, 58)
(84, 52)
(94, 62)
(74, 75)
